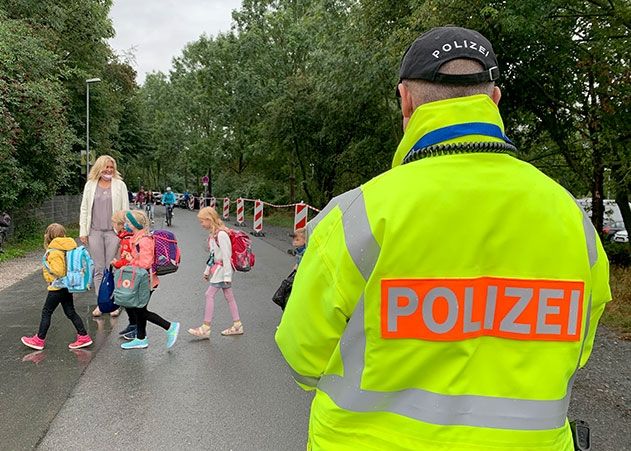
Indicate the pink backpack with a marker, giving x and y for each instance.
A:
(242, 256)
(166, 254)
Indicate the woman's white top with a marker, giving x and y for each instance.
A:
(120, 201)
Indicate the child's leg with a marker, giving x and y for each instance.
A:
(210, 304)
(67, 303)
(52, 301)
(157, 319)
(141, 322)
(131, 314)
(232, 304)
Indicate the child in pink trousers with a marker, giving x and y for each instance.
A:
(219, 272)
(56, 241)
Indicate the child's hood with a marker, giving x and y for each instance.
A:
(63, 243)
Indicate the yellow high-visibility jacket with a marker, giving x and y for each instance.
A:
(447, 303)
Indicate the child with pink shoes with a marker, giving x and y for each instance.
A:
(57, 243)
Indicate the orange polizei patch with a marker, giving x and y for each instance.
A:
(459, 309)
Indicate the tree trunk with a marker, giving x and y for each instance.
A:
(598, 177)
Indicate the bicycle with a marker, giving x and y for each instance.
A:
(169, 214)
(149, 211)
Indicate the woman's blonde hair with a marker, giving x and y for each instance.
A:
(119, 216)
(211, 214)
(140, 217)
(53, 231)
(99, 165)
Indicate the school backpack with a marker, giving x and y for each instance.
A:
(242, 256)
(131, 287)
(166, 253)
(79, 270)
(105, 297)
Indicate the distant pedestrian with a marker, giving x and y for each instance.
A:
(56, 241)
(5, 223)
(281, 296)
(219, 272)
(141, 256)
(300, 245)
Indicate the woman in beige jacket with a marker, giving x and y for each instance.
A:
(104, 193)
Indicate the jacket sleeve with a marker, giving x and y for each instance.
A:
(601, 294)
(124, 196)
(226, 255)
(57, 263)
(84, 213)
(326, 289)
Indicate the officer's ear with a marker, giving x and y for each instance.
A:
(497, 95)
(407, 104)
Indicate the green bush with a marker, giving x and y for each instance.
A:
(618, 253)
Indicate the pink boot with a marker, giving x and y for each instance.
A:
(34, 342)
(82, 342)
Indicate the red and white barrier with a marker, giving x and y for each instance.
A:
(240, 212)
(258, 218)
(300, 216)
(226, 208)
(213, 202)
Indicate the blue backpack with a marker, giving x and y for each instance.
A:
(79, 270)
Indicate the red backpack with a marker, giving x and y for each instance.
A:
(242, 256)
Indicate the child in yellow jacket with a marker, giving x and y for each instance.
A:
(57, 243)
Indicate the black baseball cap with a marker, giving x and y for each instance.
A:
(422, 60)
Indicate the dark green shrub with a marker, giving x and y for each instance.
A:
(618, 253)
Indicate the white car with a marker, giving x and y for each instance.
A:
(621, 237)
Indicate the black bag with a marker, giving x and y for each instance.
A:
(283, 292)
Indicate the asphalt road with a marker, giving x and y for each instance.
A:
(229, 393)
(223, 394)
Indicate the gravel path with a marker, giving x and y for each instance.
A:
(602, 390)
(18, 268)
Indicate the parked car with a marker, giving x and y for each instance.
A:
(157, 197)
(621, 237)
(611, 228)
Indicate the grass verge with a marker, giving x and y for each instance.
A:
(617, 314)
(280, 218)
(33, 242)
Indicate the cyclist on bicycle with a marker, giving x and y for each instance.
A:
(140, 197)
(168, 200)
(149, 202)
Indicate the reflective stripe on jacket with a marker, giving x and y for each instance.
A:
(450, 302)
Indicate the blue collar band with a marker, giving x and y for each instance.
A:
(457, 130)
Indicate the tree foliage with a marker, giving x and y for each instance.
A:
(47, 51)
(296, 101)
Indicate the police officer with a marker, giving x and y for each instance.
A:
(447, 303)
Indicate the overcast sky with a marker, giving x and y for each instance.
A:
(157, 30)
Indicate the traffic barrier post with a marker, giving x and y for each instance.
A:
(258, 218)
(226, 208)
(240, 212)
(300, 216)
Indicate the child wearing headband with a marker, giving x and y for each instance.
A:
(142, 256)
